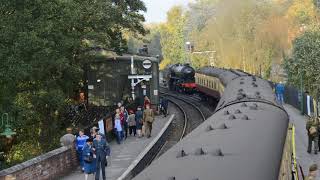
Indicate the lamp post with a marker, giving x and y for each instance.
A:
(189, 51)
(301, 92)
(104, 90)
(7, 127)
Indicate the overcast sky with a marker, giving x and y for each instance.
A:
(157, 9)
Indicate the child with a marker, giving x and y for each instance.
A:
(118, 128)
(132, 123)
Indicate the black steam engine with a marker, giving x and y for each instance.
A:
(180, 77)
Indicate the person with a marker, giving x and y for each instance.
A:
(68, 139)
(164, 106)
(102, 150)
(146, 102)
(124, 121)
(80, 142)
(95, 130)
(118, 128)
(313, 134)
(279, 92)
(312, 172)
(89, 163)
(132, 123)
(139, 116)
(148, 118)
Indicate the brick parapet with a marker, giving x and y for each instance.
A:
(47, 166)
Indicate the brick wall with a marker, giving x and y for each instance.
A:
(47, 166)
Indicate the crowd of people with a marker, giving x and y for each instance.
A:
(135, 122)
(94, 150)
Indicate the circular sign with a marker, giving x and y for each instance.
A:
(146, 64)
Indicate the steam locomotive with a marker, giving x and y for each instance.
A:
(180, 77)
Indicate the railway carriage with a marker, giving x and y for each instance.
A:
(209, 88)
(248, 137)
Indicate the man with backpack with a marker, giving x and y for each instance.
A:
(148, 118)
(312, 127)
(101, 149)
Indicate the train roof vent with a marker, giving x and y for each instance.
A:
(210, 128)
(240, 90)
(237, 111)
(182, 153)
(172, 178)
(226, 112)
(218, 152)
(244, 105)
(200, 152)
(254, 78)
(254, 107)
(254, 84)
(245, 117)
(223, 126)
(232, 117)
(257, 93)
(241, 82)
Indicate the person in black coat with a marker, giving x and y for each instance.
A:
(101, 149)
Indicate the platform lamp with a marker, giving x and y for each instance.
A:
(8, 132)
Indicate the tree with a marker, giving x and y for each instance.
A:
(44, 46)
(304, 62)
(172, 37)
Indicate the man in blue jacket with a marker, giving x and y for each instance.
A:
(279, 92)
(102, 149)
(80, 142)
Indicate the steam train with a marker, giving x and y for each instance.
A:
(183, 78)
(248, 127)
(180, 77)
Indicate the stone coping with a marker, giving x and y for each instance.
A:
(33, 161)
(146, 150)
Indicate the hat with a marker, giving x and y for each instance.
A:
(313, 167)
(131, 111)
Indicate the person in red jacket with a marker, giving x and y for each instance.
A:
(124, 121)
(146, 102)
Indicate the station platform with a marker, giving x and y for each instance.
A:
(304, 159)
(124, 157)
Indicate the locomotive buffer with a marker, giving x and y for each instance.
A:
(136, 78)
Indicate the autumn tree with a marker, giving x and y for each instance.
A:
(173, 37)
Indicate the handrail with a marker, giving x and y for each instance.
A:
(294, 157)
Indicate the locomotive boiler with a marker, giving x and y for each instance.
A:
(180, 77)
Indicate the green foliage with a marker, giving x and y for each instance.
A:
(23, 151)
(43, 50)
(172, 36)
(151, 39)
(305, 61)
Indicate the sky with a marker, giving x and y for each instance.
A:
(157, 9)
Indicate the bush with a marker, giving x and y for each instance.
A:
(21, 152)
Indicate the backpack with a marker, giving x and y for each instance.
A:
(312, 130)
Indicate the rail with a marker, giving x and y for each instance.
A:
(188, 102)
(184, 116)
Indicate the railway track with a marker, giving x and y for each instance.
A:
(203, 106)
(188, 117)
